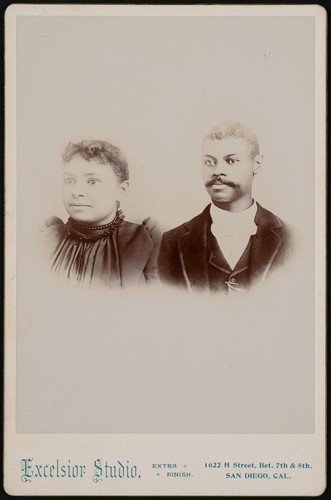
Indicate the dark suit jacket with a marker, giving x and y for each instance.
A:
(190, 256)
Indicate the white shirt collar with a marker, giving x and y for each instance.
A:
(233, 230)
(234, 221)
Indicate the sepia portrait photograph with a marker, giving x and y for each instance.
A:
(165, 250)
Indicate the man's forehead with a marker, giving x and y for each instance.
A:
(224, 147)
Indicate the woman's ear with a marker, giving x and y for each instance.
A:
(121, 190)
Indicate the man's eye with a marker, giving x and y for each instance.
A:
(68, 180)
(209, 162)
(231, 161)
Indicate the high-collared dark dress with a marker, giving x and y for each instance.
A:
(190, 256)
(115, 255)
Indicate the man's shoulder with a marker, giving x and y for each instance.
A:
(188, 226)
(268, 218)
(269, 221)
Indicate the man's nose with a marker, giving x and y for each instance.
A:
(221, 168)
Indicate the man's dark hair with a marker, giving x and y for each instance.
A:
(236, 130)
(102, 152)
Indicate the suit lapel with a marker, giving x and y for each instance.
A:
(265, 243)
(216, 257)
(193, 251)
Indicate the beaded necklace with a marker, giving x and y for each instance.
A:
(83, 232)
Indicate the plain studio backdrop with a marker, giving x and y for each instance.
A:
(153, 86)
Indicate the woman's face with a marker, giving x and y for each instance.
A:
(90, 191)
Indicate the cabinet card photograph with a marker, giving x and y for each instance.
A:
(165, 250)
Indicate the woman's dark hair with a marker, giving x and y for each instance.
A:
(102, 152)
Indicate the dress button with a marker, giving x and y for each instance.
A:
(233, 280)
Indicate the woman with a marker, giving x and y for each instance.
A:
(96, 245)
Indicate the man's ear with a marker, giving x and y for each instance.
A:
(121, 190)
(258, 160)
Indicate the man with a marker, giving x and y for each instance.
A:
(234, 244)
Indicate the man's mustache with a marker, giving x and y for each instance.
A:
(216, 180)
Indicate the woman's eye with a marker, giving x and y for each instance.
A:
(68, 180)
(93, 181)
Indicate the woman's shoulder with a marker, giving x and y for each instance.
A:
(152, 227)
(148, 225)
(53, 229)
(52, 221)
(52, 224)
